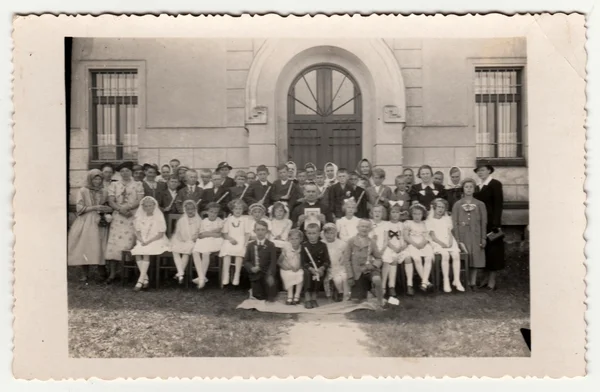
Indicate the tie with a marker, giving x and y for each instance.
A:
(191, 189)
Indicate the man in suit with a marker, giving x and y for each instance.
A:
(259, 188)
(218, 193)
(311, 200)
(224, 168)
(261, 263)
(191, 191)
(166, 198)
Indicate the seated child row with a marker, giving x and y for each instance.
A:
(331, 255)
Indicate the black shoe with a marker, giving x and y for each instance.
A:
(315, 304)
(410, 291)
(392, 291)
(289, 301)
(308, 304)
(336, 296)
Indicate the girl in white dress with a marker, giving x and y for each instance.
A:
(444, 243)
(150, 227)
(416, 235)
(210, 240)
(347, 226)
(186, 234)
(337, 271)
(280, 224)
(236, 234)
(396, 253)
(290, 267)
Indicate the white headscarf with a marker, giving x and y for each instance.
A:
(184, 223)
(451, 185)
(330, 181)
(155, 223)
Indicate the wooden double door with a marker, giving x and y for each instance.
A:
(325, 118)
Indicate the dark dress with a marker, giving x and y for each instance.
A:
(491, 196)
(454, 195)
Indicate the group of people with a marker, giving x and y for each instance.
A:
(337, 229)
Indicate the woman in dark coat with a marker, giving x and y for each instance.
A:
(489, 191)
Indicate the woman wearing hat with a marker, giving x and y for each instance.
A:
(124, 197)
(489, 191)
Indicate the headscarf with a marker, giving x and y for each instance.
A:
(330, 181)
(450, 184)
(184, 223)
(90, 176)
(157, 224)
(310, 164)
(368, 176)
(292, 165)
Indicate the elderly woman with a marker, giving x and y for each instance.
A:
(124, 197)
(489, 191)
(87, 236)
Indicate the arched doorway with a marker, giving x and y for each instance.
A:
(324, 117)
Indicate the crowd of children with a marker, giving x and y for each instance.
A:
(340, 230)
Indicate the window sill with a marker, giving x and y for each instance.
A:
(98, 164)
(501, 161)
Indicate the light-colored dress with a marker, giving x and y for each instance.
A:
(86, 239)
(291, 259)
(336, 251)
(442, 228)
(470, 221)
(280, 228)
(121, 236)
(395, 232)
(417, 232)
(347, 228)
(378, 233)
(236, 227)
(186, 228)
(149, 226)
(209, 244)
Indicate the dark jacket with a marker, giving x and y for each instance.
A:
(319, 254)
(257, 192)
(337, 195)
(427, 195)
(267, 259)
(185, 194)
(491, 195)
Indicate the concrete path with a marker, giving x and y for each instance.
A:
(330, 335)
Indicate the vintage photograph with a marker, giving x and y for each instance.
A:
(316, 197)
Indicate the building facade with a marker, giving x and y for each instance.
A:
(398, 102)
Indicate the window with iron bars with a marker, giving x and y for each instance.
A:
(498, 112)
(114, 114)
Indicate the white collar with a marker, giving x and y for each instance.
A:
(173, 191)
(263, 183)
(284, 182)
(260, 242)
(486, 182)
(209, 185)
(423, 186)
(191, 187)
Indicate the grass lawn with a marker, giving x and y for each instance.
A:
(116, 322)
(474, 324)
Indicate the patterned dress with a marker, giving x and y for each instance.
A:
(470, 220)
(86, 239)
(122, 232)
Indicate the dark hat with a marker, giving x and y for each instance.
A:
(150, 166)
(224, 164)
(489, 167)
(125, 165)
(262, 168)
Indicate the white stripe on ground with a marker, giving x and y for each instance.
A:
(330, 335)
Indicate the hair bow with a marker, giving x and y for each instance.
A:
(392, 234)
(469, 207)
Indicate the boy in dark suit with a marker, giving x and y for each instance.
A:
(224, 170)
(284, 189)
(261, 263)
(166, 198)
(259, 188)
(218, 194)
(241, 189)
(315, 262)
(191, 191)
(360, 195)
